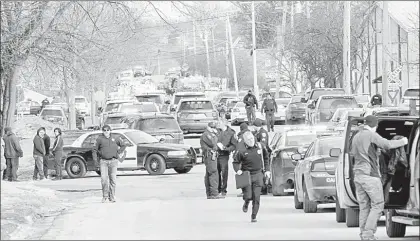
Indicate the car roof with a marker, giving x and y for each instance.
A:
(151, 93)
(52, 108)
(336, 95)
(119, 101)
(118, 131)
(189, 93)
(194, 99)
(150, 115)
(327, 89)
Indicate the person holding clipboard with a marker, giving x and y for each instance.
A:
(250, 165)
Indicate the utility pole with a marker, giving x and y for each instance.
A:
(158, 61)
(183, 48)
(346, 48)
(227, 50)
(195, 49)
(385, 56)
(282, 31)
(232, 51)
(214, 45)
(207, 54)
(292, 23)
(254, 52)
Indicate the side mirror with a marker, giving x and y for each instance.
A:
(335, 152)
(296, 157)
(311, 106)
(162, 140)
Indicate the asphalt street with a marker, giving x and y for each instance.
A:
(174, 206)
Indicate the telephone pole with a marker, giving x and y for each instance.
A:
(214, 45)
(207, 54)
(233, 58)
(158, 61)
(195, 49)
(346, 48)
(385, 55)
(254, 52)
(281, 31)
(227, 49)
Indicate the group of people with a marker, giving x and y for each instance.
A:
(250, 153)
(269, 107)
(41, 153)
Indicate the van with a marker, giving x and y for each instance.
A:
(194, 115)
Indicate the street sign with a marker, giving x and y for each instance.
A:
(393, 90)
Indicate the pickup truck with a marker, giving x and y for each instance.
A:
(347, 207)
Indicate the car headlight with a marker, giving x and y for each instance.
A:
(177, 153)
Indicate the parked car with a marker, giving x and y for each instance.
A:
(157, 97)
(347, 205)
(315, 174)
(184, 95)
(341, 115)
(295, 110)
(54, 114)
(82, 105)
(324, 107)
(230, 104)
(280, 115)
(28, 107)
(113, 106)
(143, 152)
(238, 114)
(314, 94)
(62, 104)
(397, 219)
(193, 115)
(411, 94)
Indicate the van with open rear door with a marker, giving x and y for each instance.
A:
(347, 207)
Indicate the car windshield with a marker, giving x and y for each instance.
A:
(161, 124)
(130, 108)
(196, 105)
(333, 103)
(362, 98)
(113, 120)
(150, 98)
(412, 93)
(80, 100)
(24, 104)
(239, 105)
(231, 104)
(282, 102)
(113, 107)
(338, 114)
(296, 99)
(325, 146)
(317, 93)
(287, 158)
(300, 140)
(140, 137)
(51, 112)
(179, 97)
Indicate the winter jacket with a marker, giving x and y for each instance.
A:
(58, 144)
(250, 159)
(12, 147)
(108, 148)
(228, 139)
(39, 146)
(47, 143)
(208, 142)
(250, 100)
(390, 158)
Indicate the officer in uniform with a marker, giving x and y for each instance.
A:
(208, 142)
(240, 144)
(250, 103)
(254, 158)
(269, 106)
(261, 136)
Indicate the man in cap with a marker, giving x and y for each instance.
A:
(269, 106)
(367, 179)
(208, 143)
(241, 145)
(250, 103)
(262, 137)
(255, 160)
(226, 144)
(12, 152)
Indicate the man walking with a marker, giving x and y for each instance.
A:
(208, 143)
(107, 150)
(12, 152)
(226, 144)
(255, 160)
(250, 103)
(47, 144)
(269, 106)
(367, 179)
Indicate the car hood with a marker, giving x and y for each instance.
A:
(166, 146)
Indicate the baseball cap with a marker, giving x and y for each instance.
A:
(212, 125)
(258, 123)
(371, 121)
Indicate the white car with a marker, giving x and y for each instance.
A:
(82, 105)
(280, 115)
(238, 114)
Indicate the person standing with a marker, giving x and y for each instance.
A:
(255, 160)
(44, 103)
(208, 143)
(12, 152)
(262, 137)
(57, 151)
(107, 150)
(47, 143)
(39, 153)
(250, 103)
(367, 178)
(269, 106)
(226, 143)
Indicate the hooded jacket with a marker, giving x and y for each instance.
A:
(12, 147)
(39, 146)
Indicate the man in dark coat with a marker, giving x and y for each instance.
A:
(12, 152)
(47, 143)
(250, 103)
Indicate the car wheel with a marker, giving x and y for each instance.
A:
(340, 213)
(393, 229)
(352, 217)
(75, 168)
(308, 205)
(298, 205)
(183, 170)
(155, 164)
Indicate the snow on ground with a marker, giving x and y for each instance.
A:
(27, 126)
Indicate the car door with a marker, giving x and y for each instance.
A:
(89, 142)
(299, 169)
(130, 159)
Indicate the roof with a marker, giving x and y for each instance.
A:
(120, 101)
(151, 93)
(189, 93)
(149, 115)
(119, 131)
(196, 99)
(404, 13)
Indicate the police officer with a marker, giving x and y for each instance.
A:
(269, 106)
(255, 160)
(261, 136)
(226, 144)
(208, 142)
(250, 103)
(241, 145)
(376, 100)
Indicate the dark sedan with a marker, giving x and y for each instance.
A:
(295, 110)
(143, 152)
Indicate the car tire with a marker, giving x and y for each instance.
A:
(308, 205)
(393, 230)
(340, 213)
(75, 167)
(352, 217)
(183, 170)
(155, 164)
(298, 205)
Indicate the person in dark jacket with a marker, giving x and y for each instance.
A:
(250, 103)
(108, 149)
(262, 137)
(255, 160)
(269, 107)
(47, 143)
(208, 143)
(226, 143)
(57, 151)
(12, 152)
(39, 153)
